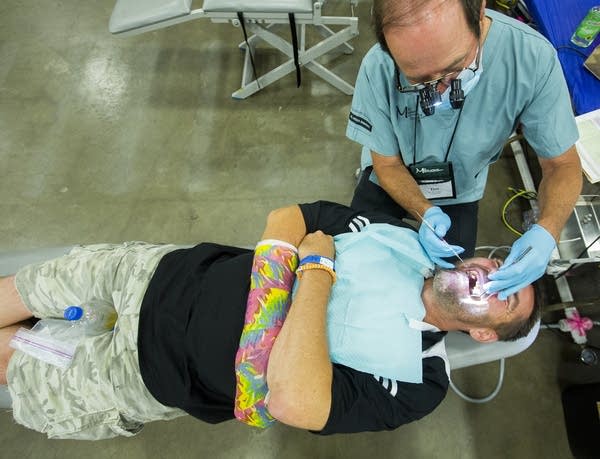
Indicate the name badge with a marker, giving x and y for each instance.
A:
(436, 180)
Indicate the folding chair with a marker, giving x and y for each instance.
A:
(260, 18)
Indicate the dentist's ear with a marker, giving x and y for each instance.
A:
(483, 335)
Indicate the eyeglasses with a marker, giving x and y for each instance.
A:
(447, 79)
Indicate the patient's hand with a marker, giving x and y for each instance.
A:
(317, 243)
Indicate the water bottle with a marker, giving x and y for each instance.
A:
(587, 29)
(94, 317)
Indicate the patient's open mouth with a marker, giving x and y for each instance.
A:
(477, 277)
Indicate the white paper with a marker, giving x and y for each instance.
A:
(588, 145)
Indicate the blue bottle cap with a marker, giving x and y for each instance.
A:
(73, 313)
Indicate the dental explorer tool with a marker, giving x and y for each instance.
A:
(428, 225)
(522, 255)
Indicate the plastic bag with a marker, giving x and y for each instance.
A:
(51, 340)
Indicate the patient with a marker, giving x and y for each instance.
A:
(363, 353)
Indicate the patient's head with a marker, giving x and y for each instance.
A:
(460, 296)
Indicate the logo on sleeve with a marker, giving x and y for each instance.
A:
(359, 120)
(388, 384)
(358, 223)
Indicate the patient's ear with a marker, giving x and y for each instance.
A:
(483, 335)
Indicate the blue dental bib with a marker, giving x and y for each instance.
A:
(375, 310)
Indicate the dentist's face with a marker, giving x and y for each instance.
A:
(441, 44)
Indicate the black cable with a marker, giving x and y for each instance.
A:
(570, 48)
(578, 256)
(453, 132)
(294, 33)
(556, 331)
(240, 16)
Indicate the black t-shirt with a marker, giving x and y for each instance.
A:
(191, 320)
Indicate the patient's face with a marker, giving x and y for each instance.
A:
(461, 292)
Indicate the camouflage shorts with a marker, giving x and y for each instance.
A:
(101, 394)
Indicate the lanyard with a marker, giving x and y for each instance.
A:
(415, 133)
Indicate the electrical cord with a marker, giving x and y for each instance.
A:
(486, 398)
(517, 193)
(578, 256)
(554, 329)
(493, 249)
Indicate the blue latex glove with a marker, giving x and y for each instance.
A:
(430, 240)
(512, 277)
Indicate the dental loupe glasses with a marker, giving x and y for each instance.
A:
(430, 98)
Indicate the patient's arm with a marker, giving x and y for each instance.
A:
(285, 224)
(299, 373)
(268, 302)
(272, 276)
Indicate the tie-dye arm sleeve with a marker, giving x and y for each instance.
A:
(272, 278)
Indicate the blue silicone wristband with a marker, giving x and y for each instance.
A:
(325, 261)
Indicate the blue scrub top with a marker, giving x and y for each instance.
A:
(521, 83)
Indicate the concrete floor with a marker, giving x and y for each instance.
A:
(107, 138)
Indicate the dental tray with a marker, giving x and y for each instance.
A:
(582, 230)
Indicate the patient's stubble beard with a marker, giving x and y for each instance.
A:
(447, 295)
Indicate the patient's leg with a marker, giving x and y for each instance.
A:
(12, 308)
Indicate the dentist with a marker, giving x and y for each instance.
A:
(435, 102)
